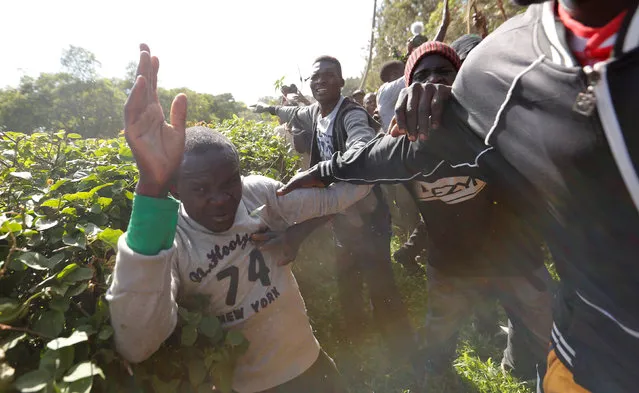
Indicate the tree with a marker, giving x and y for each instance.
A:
(350, 85)
(80, 63)
(394, 18)
(78, 101)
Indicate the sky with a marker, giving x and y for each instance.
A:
(210, 46)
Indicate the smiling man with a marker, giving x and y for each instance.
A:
(362, 237)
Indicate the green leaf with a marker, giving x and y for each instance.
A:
(60, 304)
(79, 240)
(125, 152)
(110, 237)
(234, 338)
(58, 184)
(21, 175)
(11, 226)
(160, 386)
(77, 289)
(57, 362)
(197, 372)
(79, 386)
(74, 338)
(53, 203)
(189, 335)
(70, 211)
(13, 342)
(34, 260)
(210, 326)
(33, 381)
(72, 273)
(50, 323)
(90, 230)
(7, 374)
(105, 333)
(83, 370)
(55, 259)
(43, 224)
(104, 202)
(78, 196)
(73, 135)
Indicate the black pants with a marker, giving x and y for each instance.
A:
(363, 256)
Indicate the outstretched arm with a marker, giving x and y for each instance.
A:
(298, 116)
(145, 283)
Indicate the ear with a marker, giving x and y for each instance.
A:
(342, 82)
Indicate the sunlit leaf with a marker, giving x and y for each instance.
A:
(83, 370)
(21, 175)
(33, 381)
(74, 338)
(43, 223)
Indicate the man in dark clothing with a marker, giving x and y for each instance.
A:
(553, 126)
(362, 235)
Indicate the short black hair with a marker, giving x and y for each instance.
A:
(390, 67)
(333, 60)
(464, 44)
(203, 140)
(358, 92)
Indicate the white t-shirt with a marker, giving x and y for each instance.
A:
(325, 132)
(387, 96)
(248, 291)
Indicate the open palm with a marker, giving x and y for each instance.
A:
(157, 146)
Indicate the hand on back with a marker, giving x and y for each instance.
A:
(158, 147)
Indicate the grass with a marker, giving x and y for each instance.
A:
(476, 370)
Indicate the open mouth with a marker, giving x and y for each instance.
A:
(221, 218)
(321, 91)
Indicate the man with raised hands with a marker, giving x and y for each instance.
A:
(200, 245)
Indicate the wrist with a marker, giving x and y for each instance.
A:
(151, 190)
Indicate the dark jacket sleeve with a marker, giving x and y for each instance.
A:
(386, 159)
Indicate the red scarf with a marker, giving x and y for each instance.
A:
(591, 45)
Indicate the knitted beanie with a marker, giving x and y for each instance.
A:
(430, 48)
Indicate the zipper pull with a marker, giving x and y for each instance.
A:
(586, 101)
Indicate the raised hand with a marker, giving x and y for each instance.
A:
(157, 146)
(419, 110)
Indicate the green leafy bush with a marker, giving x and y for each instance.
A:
(65, 201)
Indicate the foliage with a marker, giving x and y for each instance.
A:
(396, 16)
(80, 63)
(350, 85)
(65, 201)
(78, 101)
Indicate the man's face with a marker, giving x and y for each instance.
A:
(370, 103)
(210, 188)
(434, 69)
(326, 82)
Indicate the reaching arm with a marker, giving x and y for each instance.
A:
(297, 116)
(358, 131)
(279, 213)
(290, 239)
(145, 282)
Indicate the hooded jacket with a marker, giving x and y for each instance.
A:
(560, 145)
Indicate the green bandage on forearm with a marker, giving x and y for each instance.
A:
(152, 225)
